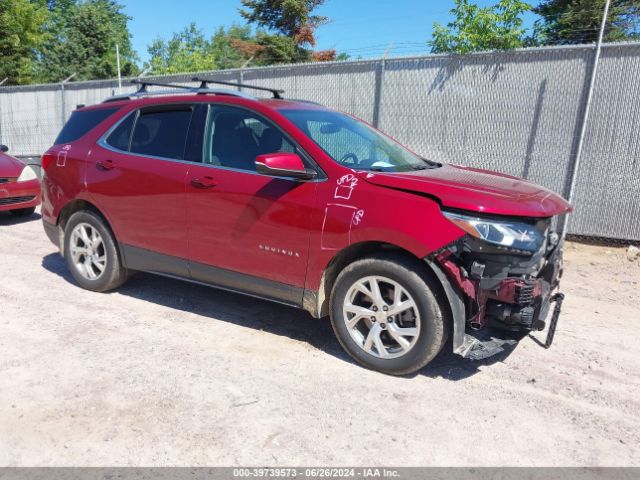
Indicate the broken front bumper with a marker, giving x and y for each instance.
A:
(481, 344)
(498, 296)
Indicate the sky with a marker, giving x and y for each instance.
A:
(361, 28)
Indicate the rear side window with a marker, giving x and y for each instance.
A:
(162, 133)
(82, 122)
(120, 138)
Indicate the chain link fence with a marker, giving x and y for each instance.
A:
(517, 112)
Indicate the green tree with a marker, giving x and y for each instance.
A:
(21, 34)
(191, 51)
(578, 21)
(82, 39)
(291, 18)
(226, 46)
(280, 49)
(285, 34)
(474, 28)
(186, 51)
(56, 5)
(290, 28)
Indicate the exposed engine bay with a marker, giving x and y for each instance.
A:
(506, 287)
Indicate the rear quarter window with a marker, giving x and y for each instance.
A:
(120, 138)
(82, 122)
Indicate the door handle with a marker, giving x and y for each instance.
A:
(105, 164)
(203, 182)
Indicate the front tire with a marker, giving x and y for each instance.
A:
(389, 313)
(23, 212)
(91, 253)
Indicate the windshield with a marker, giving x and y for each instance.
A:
(354, 144)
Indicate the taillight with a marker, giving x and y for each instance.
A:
(47, 159)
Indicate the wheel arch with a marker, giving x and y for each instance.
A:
(79, 205)
(317, 303)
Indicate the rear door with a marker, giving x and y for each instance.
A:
(137, 177)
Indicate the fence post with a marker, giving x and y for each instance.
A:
(1, 115)
(575, 165)
(377, 96)
(63, 106)
(241, 75)
(63, 97)
(2, 82)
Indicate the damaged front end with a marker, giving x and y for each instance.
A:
(505, 273)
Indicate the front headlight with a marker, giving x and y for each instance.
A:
(27, 174)
(510, 234)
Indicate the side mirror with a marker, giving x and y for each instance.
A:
(4, 148)
(283, 165)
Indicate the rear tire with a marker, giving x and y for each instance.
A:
(91, 253)
(23, 212)
(404, 328)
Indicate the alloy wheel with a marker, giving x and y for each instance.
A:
(382, 317)
(88, 252)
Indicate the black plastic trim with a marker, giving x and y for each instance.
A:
(53, 232)
(456, 303)
(152, 262)
(136, 258)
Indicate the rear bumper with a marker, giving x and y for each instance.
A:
(53, 232)
(16, 196)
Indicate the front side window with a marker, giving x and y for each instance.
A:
(235, 137)
(162, 132)
(353, 143)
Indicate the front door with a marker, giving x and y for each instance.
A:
(247, 231)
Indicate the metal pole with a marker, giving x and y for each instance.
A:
(585, 118)
(64, 98)
(63, 104)
(119, 73)
(1, 115)
(388, 50)
(1, 83)
(377, 94)
(246, 64)
(145, 72)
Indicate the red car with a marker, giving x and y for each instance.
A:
(296, 203)
(19, 186)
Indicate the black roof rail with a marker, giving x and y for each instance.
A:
(143, 84)
(175, 89)
(310, 102)
(204, 83)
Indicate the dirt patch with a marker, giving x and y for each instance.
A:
(166, 373)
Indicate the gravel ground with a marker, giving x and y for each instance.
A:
(167, 373)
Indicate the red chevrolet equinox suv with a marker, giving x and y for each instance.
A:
(292, 202)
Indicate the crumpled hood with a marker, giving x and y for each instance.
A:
(9, 166)
(476, 190)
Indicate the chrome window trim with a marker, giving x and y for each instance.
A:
(102, 142)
